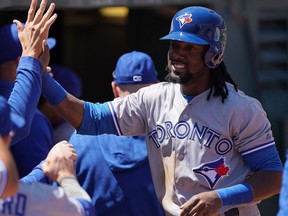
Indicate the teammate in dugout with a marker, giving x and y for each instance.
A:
(22, 101)
(34, 198)
(209, 145)
(40, 138)
(59, 163)
(114, 174)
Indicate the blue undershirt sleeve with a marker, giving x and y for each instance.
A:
(26, 93)
(36, 175)
(97, 120)
(264, 159)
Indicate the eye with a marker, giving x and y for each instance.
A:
(190, 48)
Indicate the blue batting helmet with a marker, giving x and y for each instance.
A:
(200, 25)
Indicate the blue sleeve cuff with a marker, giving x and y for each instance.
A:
(235, 195)
(52, 90)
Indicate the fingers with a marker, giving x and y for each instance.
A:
(40, 11)
(18, 24)
(31, 11)
(65, 150)
(44, 58)
(48, 19)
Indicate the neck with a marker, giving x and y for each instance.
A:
(195, 88)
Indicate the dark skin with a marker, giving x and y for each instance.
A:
(187, 67)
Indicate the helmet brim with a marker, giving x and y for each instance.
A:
(185, 37)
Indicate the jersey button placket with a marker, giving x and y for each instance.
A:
(180, 157)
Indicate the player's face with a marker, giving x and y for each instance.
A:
(186, 63)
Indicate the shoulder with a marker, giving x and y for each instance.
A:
(240, 99)
(159, 90)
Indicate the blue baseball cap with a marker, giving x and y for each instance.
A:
(10, 46)
(135, 68)
(68, 79)
(9, 121)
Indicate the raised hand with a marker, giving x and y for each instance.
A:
(36, 30)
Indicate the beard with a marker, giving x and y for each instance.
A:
(172, 78)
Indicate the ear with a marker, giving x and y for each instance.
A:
(114, 89)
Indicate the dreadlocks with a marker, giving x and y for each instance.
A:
(220, 75)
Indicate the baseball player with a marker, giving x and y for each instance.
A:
(69, 79)
(209, 145)
(40, 138)
(36, 198)
(114, 174)
(35, 56)
(23, 98)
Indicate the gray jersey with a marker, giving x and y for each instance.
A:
(37, 199)
(197, 146)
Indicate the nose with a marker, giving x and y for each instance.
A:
(176, 54)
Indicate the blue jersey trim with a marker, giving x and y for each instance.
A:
(114, 116)
(271, 143)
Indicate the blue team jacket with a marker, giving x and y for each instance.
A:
(115, 172)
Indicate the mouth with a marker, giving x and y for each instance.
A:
(177, 66)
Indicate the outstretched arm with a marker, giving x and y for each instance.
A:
(68, 106)
(35, 56)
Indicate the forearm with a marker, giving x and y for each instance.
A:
(26, 92)
(73, 188)
(252, 190)
(72, 110)
(261, 189)
(68, 106)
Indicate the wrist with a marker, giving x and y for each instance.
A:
(235, 195)
(29, 61)
(52, 90)
(66, 178)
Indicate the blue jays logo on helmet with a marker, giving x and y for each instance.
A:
(183, 19)
(202, 26)
(213, 171)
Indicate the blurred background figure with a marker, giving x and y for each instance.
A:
(8, 171)
(114, 170)
(62, 130)
(29, 151)
(283, 198)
